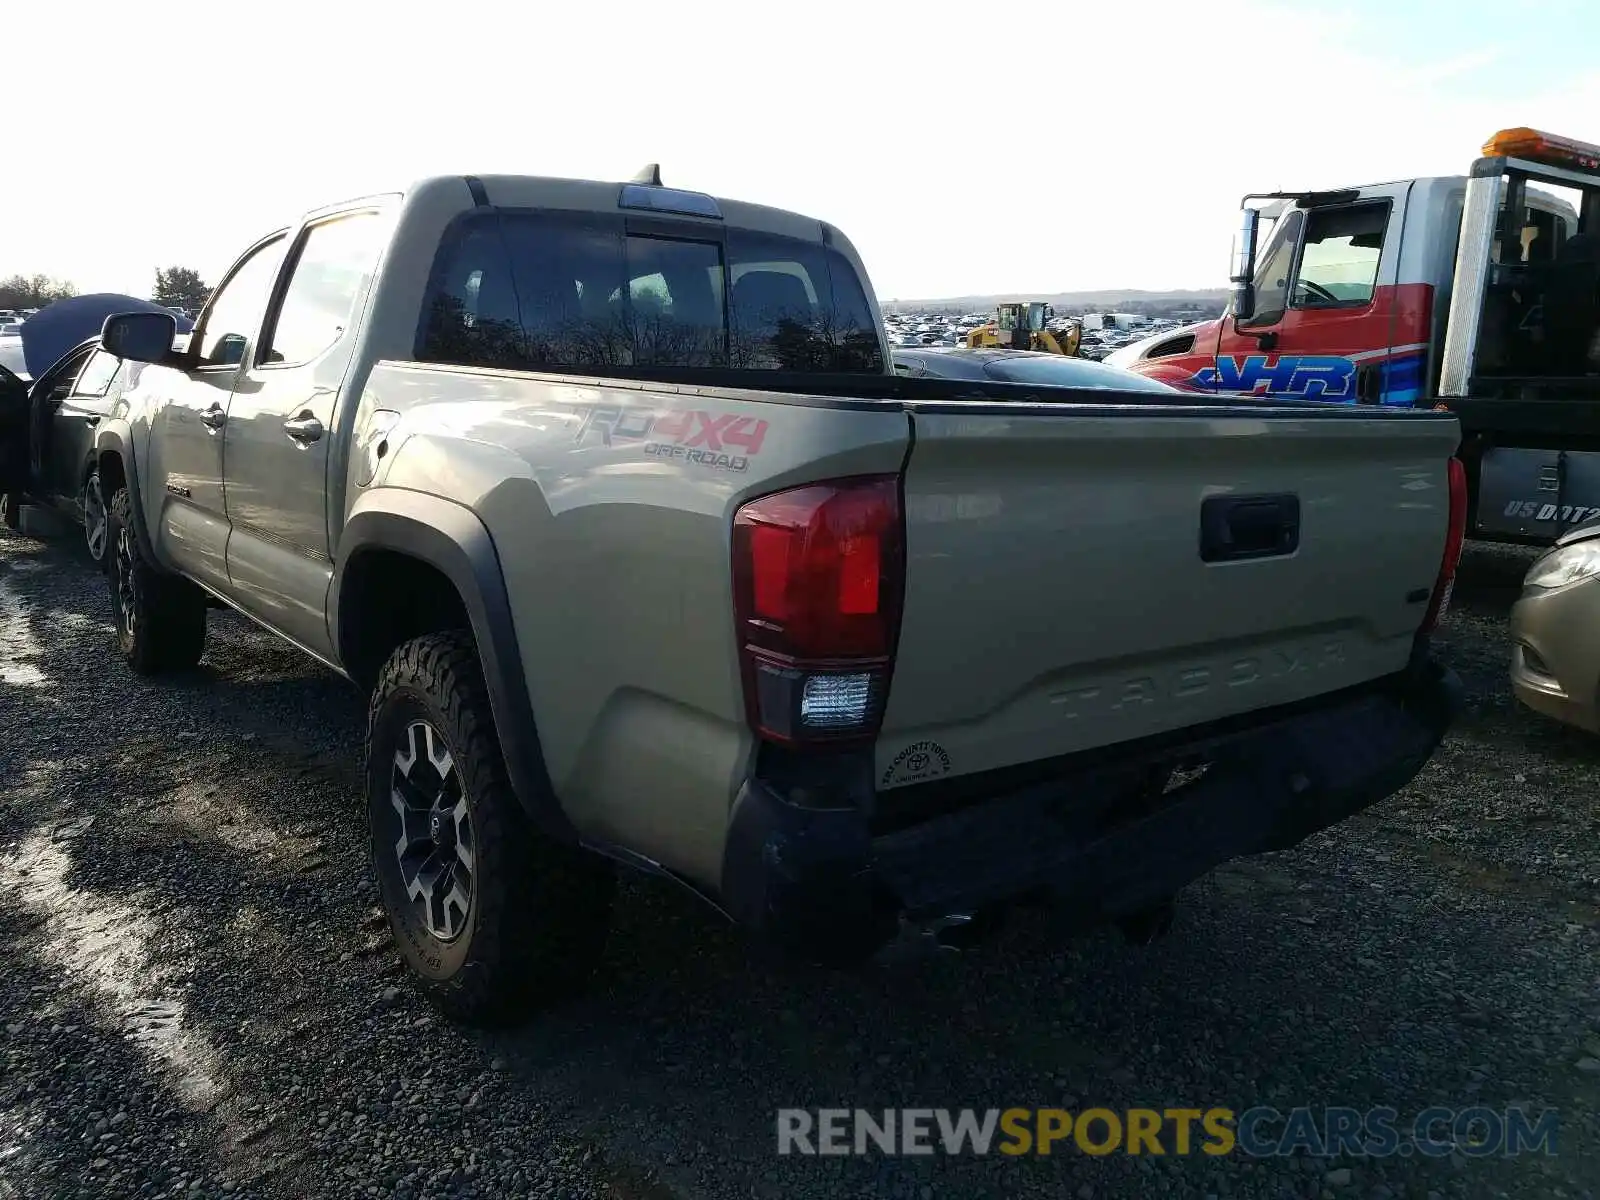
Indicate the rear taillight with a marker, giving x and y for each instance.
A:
(1454, 538)
(818, 575)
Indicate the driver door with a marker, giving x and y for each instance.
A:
(190, 410)
(47, 395)
(1331, 322)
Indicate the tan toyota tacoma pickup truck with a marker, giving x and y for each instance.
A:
(606, 496)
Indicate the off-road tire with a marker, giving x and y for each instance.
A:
(160, 617)
(535, 925)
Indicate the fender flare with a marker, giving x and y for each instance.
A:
(453, 540)
(115, 436)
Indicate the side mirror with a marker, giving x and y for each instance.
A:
(1243, 272)
(142, 337)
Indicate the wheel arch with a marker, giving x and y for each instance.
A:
(393, 537)
(113, 458)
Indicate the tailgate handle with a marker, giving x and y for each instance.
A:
(1238, 527)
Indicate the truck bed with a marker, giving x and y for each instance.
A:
(873, 392)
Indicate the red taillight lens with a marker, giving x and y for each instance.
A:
(818, 576)
(1453, 541)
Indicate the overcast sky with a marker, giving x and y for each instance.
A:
(965, 148)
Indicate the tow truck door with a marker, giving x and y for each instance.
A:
(1333, 319)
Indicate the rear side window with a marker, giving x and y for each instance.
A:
(331, 272)
(557, 292)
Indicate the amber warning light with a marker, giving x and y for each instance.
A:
(1543, 148)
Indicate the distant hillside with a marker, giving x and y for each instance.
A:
(1204, 297)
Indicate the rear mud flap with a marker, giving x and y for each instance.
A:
(1535, 494)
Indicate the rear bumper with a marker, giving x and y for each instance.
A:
(821, 880)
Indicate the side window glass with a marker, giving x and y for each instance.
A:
(236, 310)
(1542, 234)
(96, 375)
(60, 382)
(331, 274)
(1339, 262)
(1272, 273)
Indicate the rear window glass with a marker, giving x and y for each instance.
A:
(574, 293)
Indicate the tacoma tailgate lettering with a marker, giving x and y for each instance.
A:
(1141, 691)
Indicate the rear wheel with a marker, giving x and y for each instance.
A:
(10, 510)
(95, 519)
(492, 918)
(161, 618)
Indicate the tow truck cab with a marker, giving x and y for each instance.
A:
(1478, 293)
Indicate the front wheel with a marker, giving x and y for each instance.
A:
(95, 520)
(492, 918)
(161, 618)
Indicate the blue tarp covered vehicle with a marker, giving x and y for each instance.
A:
(52, 331)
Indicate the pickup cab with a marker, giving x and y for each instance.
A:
(607, 497)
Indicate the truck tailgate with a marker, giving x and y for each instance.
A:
(1057, 597)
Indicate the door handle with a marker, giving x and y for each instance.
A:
(304, 429)
(214, 417)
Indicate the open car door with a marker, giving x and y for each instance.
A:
(14, 439)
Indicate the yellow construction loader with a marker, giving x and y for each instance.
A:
(1025, 326)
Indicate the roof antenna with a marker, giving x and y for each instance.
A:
(650, 176)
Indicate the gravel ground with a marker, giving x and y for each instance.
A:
(200, 998)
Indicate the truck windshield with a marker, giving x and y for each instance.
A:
(568, 292)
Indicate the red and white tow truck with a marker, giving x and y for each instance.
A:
(1479, 293)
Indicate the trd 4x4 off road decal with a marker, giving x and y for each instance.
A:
(715, 440)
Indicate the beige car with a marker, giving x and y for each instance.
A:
(1555, 631)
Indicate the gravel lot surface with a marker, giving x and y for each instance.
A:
(200, 998)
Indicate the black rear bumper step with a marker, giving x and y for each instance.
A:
(820, 880)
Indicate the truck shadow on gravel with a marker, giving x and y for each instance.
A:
(202, 922)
